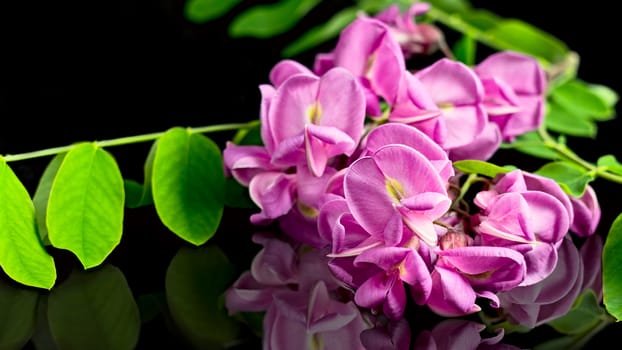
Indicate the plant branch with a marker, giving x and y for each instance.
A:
(130, 140)
(569, 155)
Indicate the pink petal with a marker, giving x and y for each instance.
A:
(384, 257)
(522, 72)
(492, 268)
(395, 304)
(267, 92)
(410, 136)
(373, 292)
(244, 162)
(415, 272)
(452, 82)
(323, 142)
(364, 186)
(451, 294)
(464, 123)
(286, 68)
(289, 109)
(273, 192)
(342, 101)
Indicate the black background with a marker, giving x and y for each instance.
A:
(94, 70)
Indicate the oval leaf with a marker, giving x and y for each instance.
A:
(517, 35)
(577, 96)
(19, 309)
(472, 166)
(612, 265)
(188, 184)
(567, 121)
(94, 309)
(195, 282)
(42, 195)
(201, 11)
(610, 163)
(264, 21)
(22, 255)
(531, 143)
(85, 208)
(571, 178)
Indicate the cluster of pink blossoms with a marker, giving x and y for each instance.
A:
(356, 169)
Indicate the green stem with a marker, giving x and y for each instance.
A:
(130, 140)
(569, 155)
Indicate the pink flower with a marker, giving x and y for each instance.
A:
(528, 213)
(458, 93)
(396, 133)
(515, 85)
(464, 272)
(414, 38)
(586, 213)
(299, 295)
(398, 191)
(312, 119)
(385, 290)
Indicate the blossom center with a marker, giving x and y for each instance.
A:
(395, 189)
(314, 113)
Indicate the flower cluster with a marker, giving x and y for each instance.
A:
(356, 169)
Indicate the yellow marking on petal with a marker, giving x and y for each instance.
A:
(395, 189)
(314, 113)
(445, 106)
(316, 342)
(479, 276)
(306, 210)
(370, 63)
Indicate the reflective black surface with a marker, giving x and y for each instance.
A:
(76, 71)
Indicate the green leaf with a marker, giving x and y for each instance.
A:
(268, 20)
(571, 178)
(94, 309)
(583, 101)
(584, 315)
(531, 143)
(42, 337)
(451, 6)
(464, 50)
(137, 195)
(612, 265)
(19, 309)
(86, 204)
(42, 195)
(195, 282)
(188, 185)
(481, 19)
(517, 35)
(610, 163)
(608, 95)
(565, 121)
(201, 11)
(472, 166)
(22, 255)
(321, 33)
